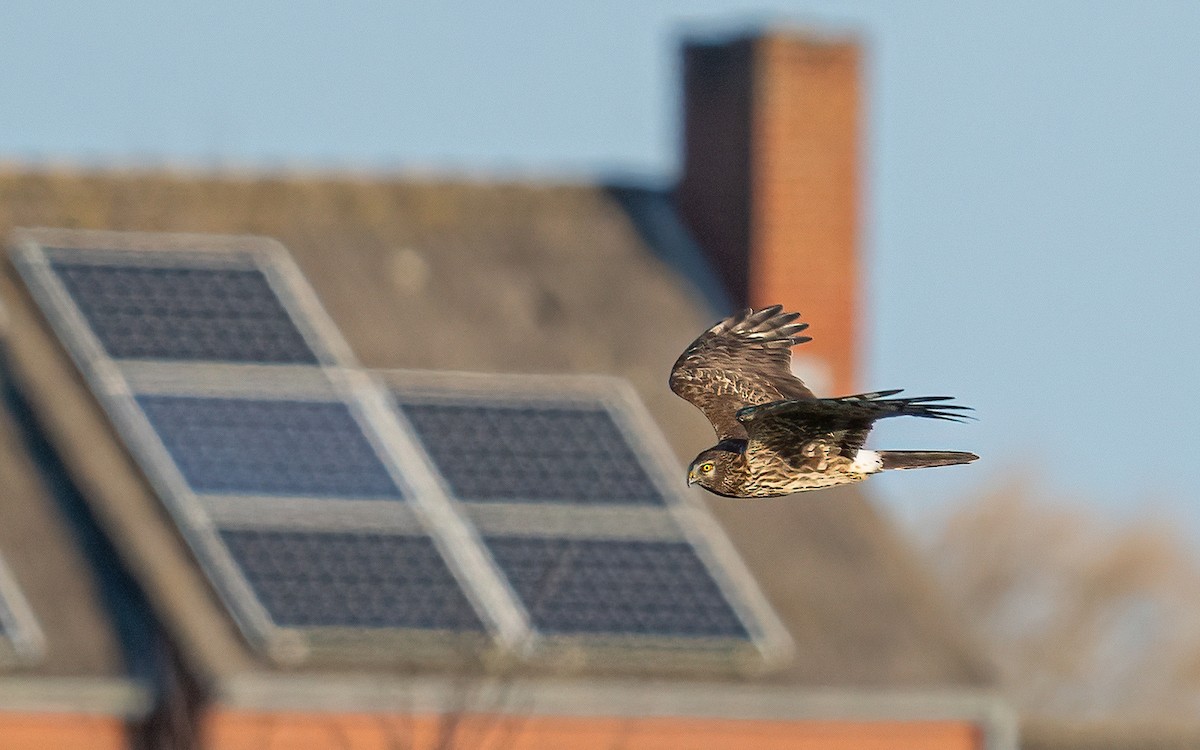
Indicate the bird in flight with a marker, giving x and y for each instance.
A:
(774, 436)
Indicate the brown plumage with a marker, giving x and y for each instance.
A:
(775, 436)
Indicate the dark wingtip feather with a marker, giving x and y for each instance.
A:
(763, 320)
(960, 418)
(938, 412)
(792, 328)
(769, 326)
(873, 395)
(930, 407)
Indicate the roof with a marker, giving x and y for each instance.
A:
(71, 655)
(518, 278)
(1109, 735)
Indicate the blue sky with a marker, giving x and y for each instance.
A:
(1033, 188)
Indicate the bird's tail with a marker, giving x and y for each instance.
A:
(923, 459)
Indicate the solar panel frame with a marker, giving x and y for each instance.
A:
(21, 639)
(269, 447)
(682, 517)
(149, 309)
(527, 453)
(350, 579)
(634, 587)
(335, 378)
(34, 250)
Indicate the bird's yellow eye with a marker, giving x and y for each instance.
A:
(706, 467)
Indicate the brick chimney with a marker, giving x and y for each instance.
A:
(770, 184)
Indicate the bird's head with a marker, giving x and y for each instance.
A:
(709, 469)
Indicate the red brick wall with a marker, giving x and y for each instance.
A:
(804, 241)
(37, 731)
(230, 730)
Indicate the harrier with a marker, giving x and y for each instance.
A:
(774, 436)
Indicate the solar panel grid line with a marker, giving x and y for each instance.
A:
(562, 389)
(655, 656)
(224, 379)
(350, 648)
(313, 514)
(567, 521)
(456, 537)
(199, 253)
(18, 624)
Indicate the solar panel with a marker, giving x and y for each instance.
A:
(351, 579)
(268, 447)
(8, 625)
(180, 313)
(531, 453)
(567, 483)
(615, 586)
(529, 513)
(21, 639)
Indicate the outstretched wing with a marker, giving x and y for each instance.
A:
(742, 361)
(796, 429)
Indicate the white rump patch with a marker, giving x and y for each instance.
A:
(866, 462)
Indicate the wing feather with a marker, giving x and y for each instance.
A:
(786, 427)
(744, 360)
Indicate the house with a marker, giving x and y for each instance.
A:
(394, 284)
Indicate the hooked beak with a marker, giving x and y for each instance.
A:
(691, 478)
